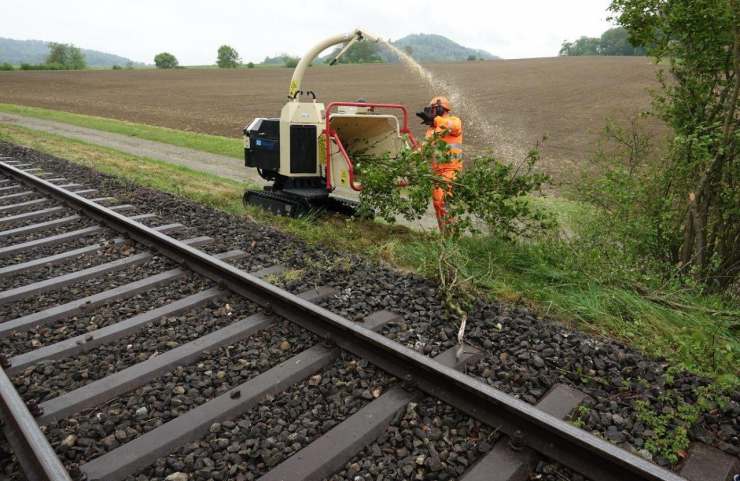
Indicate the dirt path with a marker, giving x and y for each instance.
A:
(194, 159)
(221, 166)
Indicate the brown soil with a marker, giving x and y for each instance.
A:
(566, 98)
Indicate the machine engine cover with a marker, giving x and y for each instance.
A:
(262, 144)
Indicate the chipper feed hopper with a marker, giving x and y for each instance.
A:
(308, 152)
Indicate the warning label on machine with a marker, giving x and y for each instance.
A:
(343, 178)
(322, 149)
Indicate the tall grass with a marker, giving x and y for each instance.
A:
(560, 280)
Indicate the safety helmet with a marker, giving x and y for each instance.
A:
(441, 100)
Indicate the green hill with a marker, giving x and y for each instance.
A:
(36, 51)
(426, 48)
(434, 48)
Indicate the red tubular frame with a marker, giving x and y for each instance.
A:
(333, 134)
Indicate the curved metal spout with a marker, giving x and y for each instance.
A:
(300, 70)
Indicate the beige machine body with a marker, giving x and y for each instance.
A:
(307, 155)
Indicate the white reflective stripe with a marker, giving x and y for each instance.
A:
(454, 145)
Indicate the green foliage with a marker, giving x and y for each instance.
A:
(626, 184)
(66, 55)
(228, 57)
(116, 67)
(6, 67)
(409, 50)
(612, 42)
(471, 57)
(359, 52)
(700, 41)
(165, 60)
(129, 65)
(487, 192)
(676, 417)
(250, 65)
(670, 427)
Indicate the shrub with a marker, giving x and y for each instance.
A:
(165, 60)
(471, 57)
(250, 65)
(6, 67)
(291, 62)
(116, 67)
(487, 193)
(42, 66)
(129, 65)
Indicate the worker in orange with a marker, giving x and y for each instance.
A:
(440, 122)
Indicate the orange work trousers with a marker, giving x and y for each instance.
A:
(439, 194)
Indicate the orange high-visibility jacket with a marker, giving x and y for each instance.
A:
(454, 138)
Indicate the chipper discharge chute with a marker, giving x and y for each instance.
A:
(309, 151)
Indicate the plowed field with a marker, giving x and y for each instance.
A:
(517, 100)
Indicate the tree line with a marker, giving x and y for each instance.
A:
(612, 42)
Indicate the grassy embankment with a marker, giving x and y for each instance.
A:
(549, 275)
(229, 147)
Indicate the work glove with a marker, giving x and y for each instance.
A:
(427, 118)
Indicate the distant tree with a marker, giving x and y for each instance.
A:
(250, 65)
(612, 42)
(116, 67)
(582, 46)
(409, 50)
(615, 42)
(165, 60)
(6, 67)
(228, 57)
(359, 52)
(290, 61)
(66, 55)
(471, 57)
(129, 65)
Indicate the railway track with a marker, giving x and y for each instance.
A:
(299, 342)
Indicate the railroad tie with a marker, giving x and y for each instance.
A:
(327, 454)
(8, 251)
(504, 463)
(141, 452)
(52, 223)
(65, 256)
(3, 190)
(88, 341)
(121, 382)
(76, 277)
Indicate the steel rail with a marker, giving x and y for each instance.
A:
(577, 449)
(34, 453)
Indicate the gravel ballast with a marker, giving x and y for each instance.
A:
(525, 354)
(98, 431)
(251, 445)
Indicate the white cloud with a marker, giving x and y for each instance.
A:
(194, 29)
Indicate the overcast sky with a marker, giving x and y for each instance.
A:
(193, 29)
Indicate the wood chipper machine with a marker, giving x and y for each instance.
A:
(308, 152)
